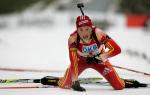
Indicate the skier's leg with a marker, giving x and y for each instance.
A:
(110, 75)
(66, 81)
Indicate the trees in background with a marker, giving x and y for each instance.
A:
(9, 6)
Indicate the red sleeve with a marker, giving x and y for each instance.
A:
(113, 47)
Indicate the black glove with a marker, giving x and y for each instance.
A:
(92, 60)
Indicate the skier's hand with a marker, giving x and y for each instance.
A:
(94, 60)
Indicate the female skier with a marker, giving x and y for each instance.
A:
(87, 49)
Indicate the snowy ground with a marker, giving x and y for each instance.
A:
(46, 48)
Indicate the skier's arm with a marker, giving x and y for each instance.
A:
(113, 47)
(73, 57)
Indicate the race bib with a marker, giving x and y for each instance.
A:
(90, 48)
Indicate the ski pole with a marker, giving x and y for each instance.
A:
(28, 70)
(131, 70)
(80, 5)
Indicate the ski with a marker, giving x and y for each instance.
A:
(20, 80)
(49, 79)
(45, 82)
(51, 82)
(102, 83)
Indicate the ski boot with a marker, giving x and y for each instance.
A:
(131, 83)
(76, 86)
(50, 80)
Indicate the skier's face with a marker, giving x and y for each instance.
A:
(85, 32)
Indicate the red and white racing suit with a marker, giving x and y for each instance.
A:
(79, 64)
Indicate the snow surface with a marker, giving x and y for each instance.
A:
(45, 48)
